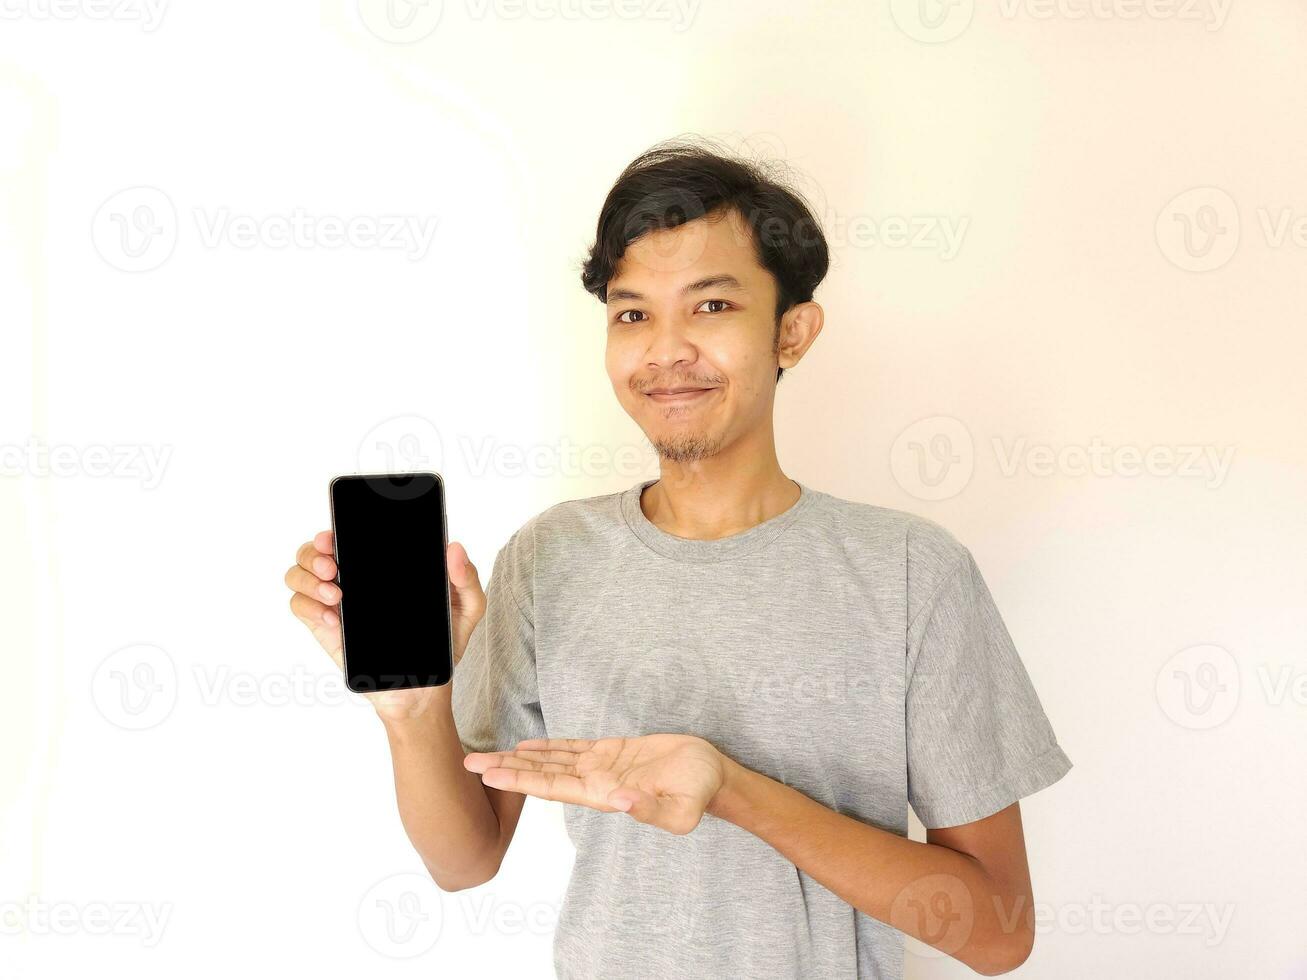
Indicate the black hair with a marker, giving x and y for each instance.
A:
(681, 179)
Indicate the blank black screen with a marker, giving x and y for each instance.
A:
(390, 556)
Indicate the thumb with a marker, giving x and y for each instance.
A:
(463, 574)
(634, 802)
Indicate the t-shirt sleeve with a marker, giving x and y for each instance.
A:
(495, 698)
(977, 737)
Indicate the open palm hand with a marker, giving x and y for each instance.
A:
(667, 781)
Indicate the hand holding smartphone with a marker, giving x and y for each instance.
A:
(390, 537)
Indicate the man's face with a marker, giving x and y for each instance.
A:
(690, 308)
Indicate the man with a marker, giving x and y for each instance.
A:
(735, 683)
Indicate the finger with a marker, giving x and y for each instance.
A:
(636, 802)
(558, 744)
(671, 813)
(304, 581)
(311, 612)
(558, 756)
(325, 541)
(515, 761)
(466, 593)
(320, 564)
(462, 572)
(545, 785)
(481, 761)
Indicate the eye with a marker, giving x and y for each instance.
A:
(722, 301)
(624, 312)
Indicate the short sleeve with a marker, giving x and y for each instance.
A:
(495, 698)
(977, 737)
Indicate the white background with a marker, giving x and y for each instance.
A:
(235, 814)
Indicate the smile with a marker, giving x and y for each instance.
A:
(680, 397)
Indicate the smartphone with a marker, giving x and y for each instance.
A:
(390, 536)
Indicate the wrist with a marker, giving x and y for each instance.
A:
(730, 799)
(413, 711)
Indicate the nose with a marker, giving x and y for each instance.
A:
(670, 343)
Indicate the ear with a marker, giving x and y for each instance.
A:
(799, 328)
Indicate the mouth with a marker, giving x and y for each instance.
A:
(678, 396)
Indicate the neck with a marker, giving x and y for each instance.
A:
(715, 498)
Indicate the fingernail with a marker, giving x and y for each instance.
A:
(330, 618)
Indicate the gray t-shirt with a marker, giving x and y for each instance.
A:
(849, 650)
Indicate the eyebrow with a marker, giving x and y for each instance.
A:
(721, 281)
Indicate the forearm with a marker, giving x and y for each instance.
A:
(445, 809)
(938, 895)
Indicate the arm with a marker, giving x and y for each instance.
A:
(460, 827)
(966, 891)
